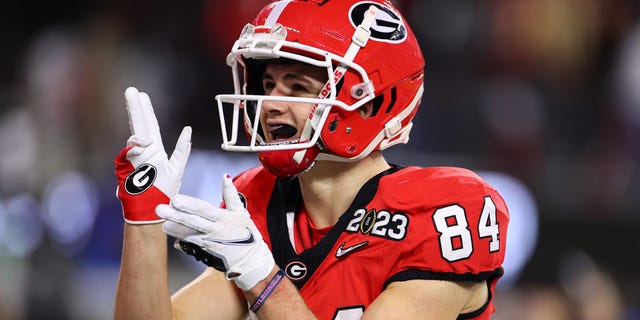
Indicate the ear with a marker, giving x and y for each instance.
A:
(366, 110)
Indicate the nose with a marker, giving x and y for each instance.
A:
(276, 107)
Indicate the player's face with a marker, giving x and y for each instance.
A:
(282, 121)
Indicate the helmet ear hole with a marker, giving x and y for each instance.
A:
(366, 111)
(376, 103)
(333, 125)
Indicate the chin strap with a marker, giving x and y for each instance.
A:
(359, 39)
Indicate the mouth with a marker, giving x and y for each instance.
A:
(282, 132)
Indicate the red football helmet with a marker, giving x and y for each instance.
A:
(371, 55)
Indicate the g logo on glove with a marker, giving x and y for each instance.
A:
(141, 179)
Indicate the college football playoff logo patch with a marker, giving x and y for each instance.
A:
(387, 25)
(140, 179)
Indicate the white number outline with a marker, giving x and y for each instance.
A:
(382, 220)
(349, 313)
(382, 228)
(460, 229)
(488, 224)
(400, 227)
(488, 227)
(354, 224)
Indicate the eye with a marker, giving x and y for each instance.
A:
(267, 86)
(296, 87)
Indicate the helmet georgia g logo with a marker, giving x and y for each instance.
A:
(387, 27)
(140, 179)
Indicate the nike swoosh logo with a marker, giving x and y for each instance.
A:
(342, 251)
(235, 242)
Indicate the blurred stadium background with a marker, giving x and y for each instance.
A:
(542, 97)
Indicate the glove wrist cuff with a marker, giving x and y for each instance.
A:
(142, 210)
(250, 279)
(134, 222)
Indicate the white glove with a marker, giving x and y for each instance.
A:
(146, 177)
(228, 235)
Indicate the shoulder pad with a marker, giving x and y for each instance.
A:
(423, 188)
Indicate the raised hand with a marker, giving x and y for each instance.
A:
(223, 238)
(146, 176)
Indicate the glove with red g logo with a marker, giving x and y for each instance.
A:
(146, 176)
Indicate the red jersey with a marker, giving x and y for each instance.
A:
(440, 223)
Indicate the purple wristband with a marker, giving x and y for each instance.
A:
(271, 286)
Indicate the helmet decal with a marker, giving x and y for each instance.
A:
(388, 26)
(276, 12)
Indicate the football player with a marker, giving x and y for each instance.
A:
(325, 228)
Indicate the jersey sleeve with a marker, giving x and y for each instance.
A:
(457, 225)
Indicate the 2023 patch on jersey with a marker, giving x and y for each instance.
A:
(441, 223)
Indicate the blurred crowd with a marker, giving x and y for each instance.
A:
(546, 92)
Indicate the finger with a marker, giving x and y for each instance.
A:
(204, 241)
(138, 141)
(177, 230)
(185, 219)
(230, 194)
(138, 146)
(195, 206)
(180, 155)
(150, 121)
(134, 152)
(134, 110)
(197, 240)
